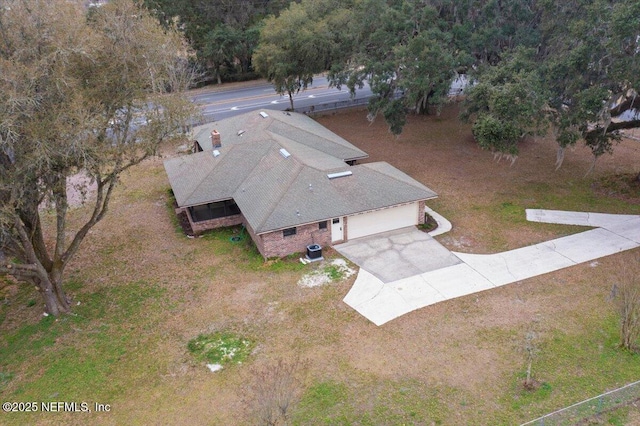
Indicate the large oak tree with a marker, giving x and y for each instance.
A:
(79, 92)
(582, 72)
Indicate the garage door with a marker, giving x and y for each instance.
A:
(382, 220)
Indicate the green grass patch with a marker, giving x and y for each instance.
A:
(617, 417)
(512, 213)
(526, 397)
(324, 403)
(5, 377)
(575, 195)
(225, 242)
(508, 208)
(77, 355)
(71, 373)
(30, 339)
(572, 368)
(334, 272)
(221, 348)
(387, 402)
(219, 240)
(171, 210)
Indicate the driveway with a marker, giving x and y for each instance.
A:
(385, 290)
(397, 254)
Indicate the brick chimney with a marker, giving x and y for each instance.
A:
(215, 139)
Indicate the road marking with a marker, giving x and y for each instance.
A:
(234, 108)
(274, 102)
(270, 95)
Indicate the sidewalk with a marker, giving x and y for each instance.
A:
(380, 302)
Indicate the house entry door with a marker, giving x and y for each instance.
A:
(336, 230)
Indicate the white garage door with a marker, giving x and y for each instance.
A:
(382, 220)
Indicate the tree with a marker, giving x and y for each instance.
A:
(273, 391)
(508, 103)
(293, 48)
(85, 94)
(531, 349)
(219, 21)
(401, 52)
(220, 49)
(582, 72)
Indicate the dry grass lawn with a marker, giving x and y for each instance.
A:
(144, 290)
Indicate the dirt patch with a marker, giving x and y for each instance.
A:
(327, 272)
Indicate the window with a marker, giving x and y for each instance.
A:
(288, 232)
(322, 225)
(334, 221)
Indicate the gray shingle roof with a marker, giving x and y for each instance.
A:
(297, 127)
(274, 192)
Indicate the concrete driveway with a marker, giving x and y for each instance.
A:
(401, 290)
(397, 254)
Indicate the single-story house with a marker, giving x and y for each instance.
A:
(291, 182)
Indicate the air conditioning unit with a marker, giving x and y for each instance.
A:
(314, 252)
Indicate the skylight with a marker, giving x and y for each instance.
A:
(284, 153)
(339, 174)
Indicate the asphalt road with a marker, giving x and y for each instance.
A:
(219, 104)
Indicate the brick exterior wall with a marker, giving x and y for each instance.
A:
(257, 239)
(274, 244)
(345, 230)
(206, 225)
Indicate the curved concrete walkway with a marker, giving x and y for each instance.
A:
(381, 302)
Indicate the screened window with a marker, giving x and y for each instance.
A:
(214, 210)
(322, 225)
(288, 232)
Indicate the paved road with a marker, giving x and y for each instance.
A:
(217, 105)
